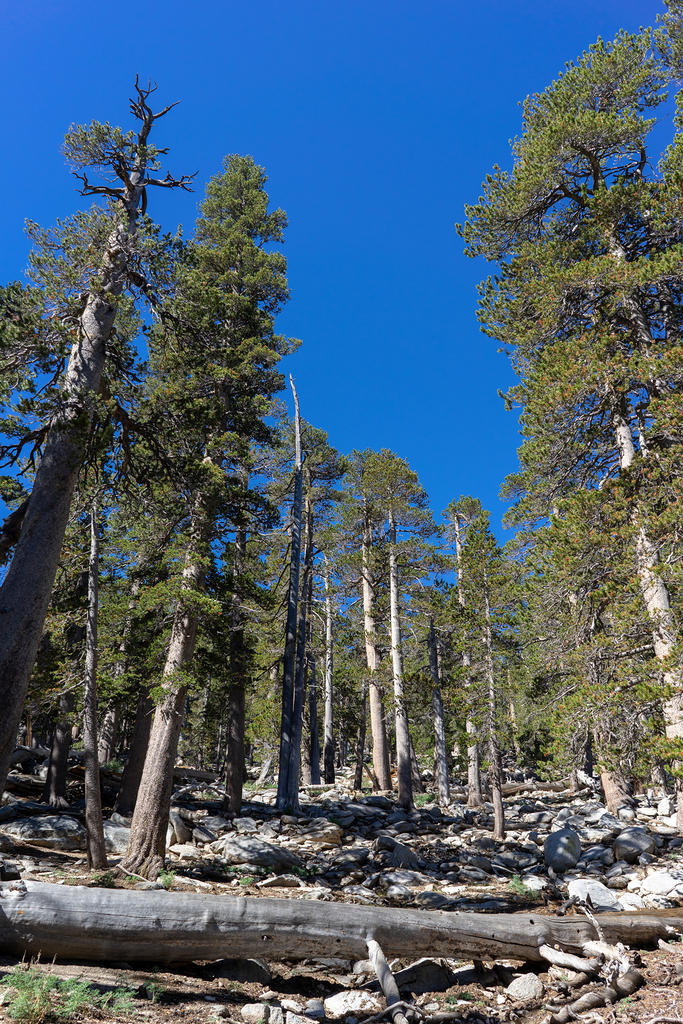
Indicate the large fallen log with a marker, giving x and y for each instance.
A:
(80, 923)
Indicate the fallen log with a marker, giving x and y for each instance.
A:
(80, 923)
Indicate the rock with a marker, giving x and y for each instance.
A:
(314, 1008)
(6, 844)
(664, 807)
(115, 838)
(401, 856)
(247, 825)
(424, 975)
(661, 883)
(403, 878)
(353, 1001)
(534, 882)
(281, 882)
(9, 871)
(431, 900)
(219, 826)
(255, 1013)
(53, 831)
(562, 849)
(399, 892)
(252, 850)
(525, 988)
(600, 896)
(631, 843)
(324, 836)
(631, 901)
(184, 850)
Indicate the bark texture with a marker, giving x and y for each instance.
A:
(97, 854)
(380, 745)
(440, 753)
(405, 778)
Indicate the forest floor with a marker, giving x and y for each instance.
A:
(252, 992)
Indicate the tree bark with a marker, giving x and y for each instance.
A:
(132, 772)
(109, 732)
(360, 743)
(147, 846)
(98, 924)
(234, 755)
(26, 589)
(440, 754)
(301, 663)
(54, 793)
(313, 725)
(328, 725)
(474, 797)
(97, 854)
(289, 659)
(380, 745)
(405, 780)
(494, 750)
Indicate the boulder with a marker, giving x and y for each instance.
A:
(631, 843)
(116, 838)
(255, 851)
(562, 849)
(600, 896)
(351, 1002)
(526, 988)
(53, 831)
(661, 883)
(255, 1013)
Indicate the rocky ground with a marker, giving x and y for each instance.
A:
(363, 849)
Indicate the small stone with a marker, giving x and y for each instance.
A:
(525, 988)
(314, 1008)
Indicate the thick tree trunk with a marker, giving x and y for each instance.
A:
(301, 662)
(328, 725)
(617, 790)
(380, 746)
(360, 742)
(289, 658)
(132, 772)
(26, 589)
(54, 792)
(147, 845)
(404, 772)
(440, 754)
(98, 924)
(655, 598)
(97, 854)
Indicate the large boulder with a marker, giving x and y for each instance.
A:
(53, 831)
(257, 852)
(562, 850)
(116, 838)
(600, 896)
(633, 842)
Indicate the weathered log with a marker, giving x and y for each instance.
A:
(115, 924)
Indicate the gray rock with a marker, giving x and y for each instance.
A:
(425, 975)
(562, 849)
(9, 871)
(252, 850)
(631, 843)
(115, 838)
(314, 1008)
(255, 1013)
(281, 882)
(525, 988)
(181, 833)
(53, 831)
(241, 970)
(401, 856)
(432, 900)
(601, 897)
(661, 883)
(219, 826)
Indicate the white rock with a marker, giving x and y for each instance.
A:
(525, 988)
(660, 883)
(601, 897)
(631, 901)
(352, 1001)
(255, 1013)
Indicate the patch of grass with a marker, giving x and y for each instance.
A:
(166, 878)
(421, 799)
(38, 998)
(106, 880)
(247, 880)
(520, 889)
(154, 990)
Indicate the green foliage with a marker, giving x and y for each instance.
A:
(105, 880)
(41, 998)
(167, 878)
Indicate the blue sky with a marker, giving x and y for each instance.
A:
(376, 122)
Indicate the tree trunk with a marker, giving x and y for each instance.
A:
(99, 924)
(617, 790)
(405, 780)
(474, 797)
(313, 725)
(54, 792)
(380, 746)
(360, 743)
(132, 773)
(147, 846)
(234, 756)
(26, 589)
(301, 663)
(494, 750)
(328, 725)
(109, 732)
(440, 755)
(289, 659)
(97, 854)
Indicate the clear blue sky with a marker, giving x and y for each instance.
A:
(376, 121)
